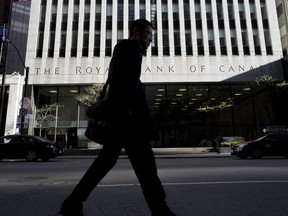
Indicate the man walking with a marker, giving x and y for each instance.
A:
(136, 127)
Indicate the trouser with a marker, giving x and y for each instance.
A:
(142, 159)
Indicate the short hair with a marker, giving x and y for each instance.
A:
(139, 23)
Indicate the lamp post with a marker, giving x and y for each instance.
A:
(3, 52)
(23, 111)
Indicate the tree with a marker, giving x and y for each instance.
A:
(46, 113)
(267, 85)
(91, 94)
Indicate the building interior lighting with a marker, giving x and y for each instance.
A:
(182, 90)
(73, 91)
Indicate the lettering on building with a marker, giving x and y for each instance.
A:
(158, 69)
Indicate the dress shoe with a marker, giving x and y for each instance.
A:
(71, 208)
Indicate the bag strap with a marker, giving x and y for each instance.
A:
(103, 91)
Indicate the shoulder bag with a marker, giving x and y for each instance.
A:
(99, 114)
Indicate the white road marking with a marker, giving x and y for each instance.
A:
(200, 183)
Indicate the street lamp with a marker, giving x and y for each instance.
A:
(23, 111)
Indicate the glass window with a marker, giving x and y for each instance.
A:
(268, 42)
(142, 10)
(242, 104)
(108, 49)
(197, 11)
(120, 10)
(45, 96)
(264, 10)
(68, 109)
(154, 23)
(263, 105)
(219, 10)
(131, 10)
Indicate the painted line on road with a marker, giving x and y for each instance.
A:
(227, 182)
(200, 183)
(117, 185)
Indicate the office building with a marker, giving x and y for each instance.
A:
(211, 70)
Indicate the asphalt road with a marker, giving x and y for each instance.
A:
(212, 186)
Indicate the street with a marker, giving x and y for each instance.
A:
(216, 186)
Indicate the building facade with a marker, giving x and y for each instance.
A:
(211, 70)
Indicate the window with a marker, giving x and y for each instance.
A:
(154, 21)
(245, 42)
(142, 9)
(223, 47)
(165, 32)
(108, 49)
(200, 45)
(279, 9)
(177, 44)
(131, 9)
(67, 111)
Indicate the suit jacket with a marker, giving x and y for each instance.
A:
(127, 94)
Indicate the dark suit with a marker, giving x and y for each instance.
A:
(135, 130)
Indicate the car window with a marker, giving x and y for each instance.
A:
(18, 139)
(273, 137)
(30, 139)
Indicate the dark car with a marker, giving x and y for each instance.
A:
(272, 144)
(29, 147)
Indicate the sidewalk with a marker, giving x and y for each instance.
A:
(159, 152)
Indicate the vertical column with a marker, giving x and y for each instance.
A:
(80, 28)
(159, 28)
(249, 27)
(238, 27)
(216, 28)
(182, 28)
(69, 28)
(227, 28)
(260, 27)
(58, 29)
(170, 27)
(193, 28)
(126, 19)
(114, 22)
(148, 16)
(137, 9)
(47, 30)
(103, 29)
(92, 28)
(274, 31)
(204, 27)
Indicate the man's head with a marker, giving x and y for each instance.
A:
(141, 31)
